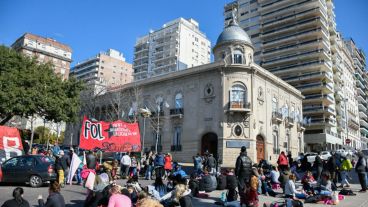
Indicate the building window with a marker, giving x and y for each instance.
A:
(238, 57)
(178, 101)
(177, 139)
(274, 104)
(238, 130)
(238, 96)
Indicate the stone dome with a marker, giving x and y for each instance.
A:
(233, 33)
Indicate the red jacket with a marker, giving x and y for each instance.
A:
(282, 160)
(168, 165)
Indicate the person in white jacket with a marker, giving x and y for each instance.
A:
(290, 190)
(125, 162)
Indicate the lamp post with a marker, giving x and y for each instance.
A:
(158, 126)
(346, 121)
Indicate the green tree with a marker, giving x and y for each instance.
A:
(29, 88)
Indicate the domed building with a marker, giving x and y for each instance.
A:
(219, 107)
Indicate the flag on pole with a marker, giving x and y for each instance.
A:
(74, 164)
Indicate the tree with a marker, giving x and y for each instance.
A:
(29, 88)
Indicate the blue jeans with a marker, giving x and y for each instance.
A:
(78, 175)
(133, 171)
(148, 172)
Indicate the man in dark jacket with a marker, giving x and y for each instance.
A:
(159, 163)
(210, 164)
(361, 168)
(318, 165)
(243, 169)
(332, 167)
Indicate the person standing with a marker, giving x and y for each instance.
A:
(361, 168)
(149, 166)
(197, 161)
(18, 200)
(332, 167)
(211, 164)
(318, 165)
(282, 161)
(159, 164)
(345, 168)
(168, 166)
(133, 166)
(60, 165)
(125, 165)
(290, 158)
(91, 161)
(55, 199)
(243, 169)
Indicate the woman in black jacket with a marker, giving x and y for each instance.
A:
(18, 200)
(55, 199)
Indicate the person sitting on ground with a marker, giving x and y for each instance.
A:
(325, 186)
(94, 197)
(274, 175)
(17, 200)
(148, 202)
(183, 195)
(251, 197)
(179, 171)
(160, 187)
(117, 199)
(55, 199)
(206, 182)
(290, 190)
(231, 185)
(307, 181)
(284, 177)
(110, 167)
(133, 181)
(221, 181)
(194, 184)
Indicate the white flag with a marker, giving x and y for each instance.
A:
(74, 164)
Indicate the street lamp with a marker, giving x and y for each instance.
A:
(346, 121)
(145, 113)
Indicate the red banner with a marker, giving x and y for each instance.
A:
(115, 136)
(10, 143)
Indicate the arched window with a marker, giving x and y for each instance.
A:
(178, 101)
(238, 96)
(288, 140)
(274, 104)
(238, 57)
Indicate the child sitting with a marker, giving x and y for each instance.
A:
(307, 181)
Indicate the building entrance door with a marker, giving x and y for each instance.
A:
(209, 144)
(260, 148)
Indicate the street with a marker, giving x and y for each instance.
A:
(74, 196)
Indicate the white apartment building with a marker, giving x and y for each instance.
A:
(361, 80)
(178, 45)
(345, 93)
(106, 69)
(296, 40)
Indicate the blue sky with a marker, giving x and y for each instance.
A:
(92, 26)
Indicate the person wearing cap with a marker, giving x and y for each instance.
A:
(243, 169)
(61, 166)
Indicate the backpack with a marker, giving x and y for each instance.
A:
(347, 192)
(231, 195)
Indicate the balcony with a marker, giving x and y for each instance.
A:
(276, 117)
(317, 76)
(363, 115)
(364, 130)
(361, 99)
(339, 96)
(318, 109)
(362, 107)
(235, 106)
(315, 87)
(363, 122)
(360, 91)
(290, 121)
(319, 65)
(177, 112)
(326, 99)
(353, 124)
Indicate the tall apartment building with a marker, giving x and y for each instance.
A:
(46, 50)
(107, 69)
(361, 78)
(294, 40)
(178, 45)
(345, 93)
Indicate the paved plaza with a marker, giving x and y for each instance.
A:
(74, 196)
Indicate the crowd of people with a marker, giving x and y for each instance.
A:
(173, 186)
